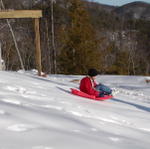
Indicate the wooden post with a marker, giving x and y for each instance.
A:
(38, 47)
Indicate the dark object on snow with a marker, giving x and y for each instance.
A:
(147, 81)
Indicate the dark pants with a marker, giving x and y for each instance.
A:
(104, 90)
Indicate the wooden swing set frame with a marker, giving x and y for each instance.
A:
(33, 14)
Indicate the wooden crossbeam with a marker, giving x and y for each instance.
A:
(10, 14)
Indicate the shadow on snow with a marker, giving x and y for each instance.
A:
(144, 108)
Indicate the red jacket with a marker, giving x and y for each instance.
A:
(87, 86)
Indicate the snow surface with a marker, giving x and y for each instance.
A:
(40, 113)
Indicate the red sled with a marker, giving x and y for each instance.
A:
(82, 94)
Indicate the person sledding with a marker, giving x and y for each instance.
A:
(89, 86)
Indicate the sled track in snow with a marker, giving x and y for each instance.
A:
(137, 94)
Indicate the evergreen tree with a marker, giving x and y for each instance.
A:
(80, 46)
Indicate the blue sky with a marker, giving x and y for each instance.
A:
(118, 2)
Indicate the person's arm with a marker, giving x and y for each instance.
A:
(90, 89)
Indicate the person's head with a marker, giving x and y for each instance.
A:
(92, 73)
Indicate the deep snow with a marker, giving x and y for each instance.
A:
(40, 113)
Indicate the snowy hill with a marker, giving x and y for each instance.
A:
(40, 113)
(136, 10)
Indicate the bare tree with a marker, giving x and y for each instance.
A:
(0, 57)
(49, 57)
(13, 35)
(53, 35)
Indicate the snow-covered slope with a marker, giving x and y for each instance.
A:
(40, 113)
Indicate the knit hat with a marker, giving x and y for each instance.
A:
(92, 72)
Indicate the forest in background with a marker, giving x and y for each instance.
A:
(86, 34)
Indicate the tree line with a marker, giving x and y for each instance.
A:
(82, 37)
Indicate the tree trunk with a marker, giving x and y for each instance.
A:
(0, 57)
(53, 36)
(49, 58)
